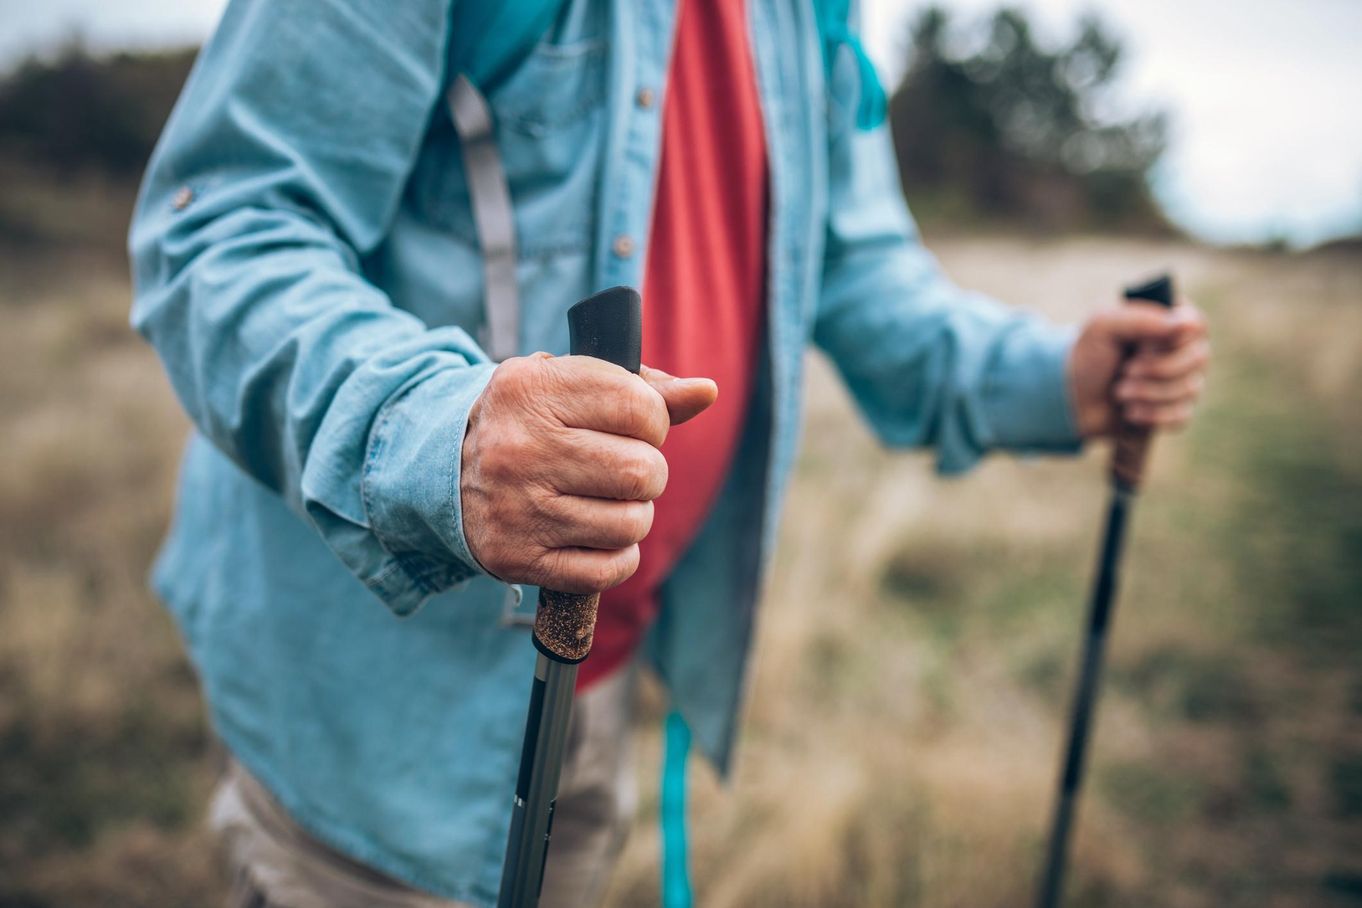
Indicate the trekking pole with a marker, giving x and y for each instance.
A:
(607, 326)
(1127, 467)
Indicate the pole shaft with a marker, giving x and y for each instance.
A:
(1129, 453)
(541, 762)
(1085, 695)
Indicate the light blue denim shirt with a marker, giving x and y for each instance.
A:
(306, 265)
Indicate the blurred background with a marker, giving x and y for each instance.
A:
(917, 653)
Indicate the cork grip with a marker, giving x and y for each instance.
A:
(608, 326)
(1130, 446)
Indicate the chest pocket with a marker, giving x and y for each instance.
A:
(513, 174)
(546, 120)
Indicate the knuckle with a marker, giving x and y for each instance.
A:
(580, 572)
(633, 410)
(659, 420)
(496, 449)
(513, 374)
(624, 524)
(502, 560)
(576, 571)
(658, 473)
(544, 519)
(552, 568)
(634, 474)
(646, 413)
(602, 575)
(643, 475)
(625, 405)
(638, 520)
(503, 456)
(528, 381)
(621, 567)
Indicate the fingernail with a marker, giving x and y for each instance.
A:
(694, 382)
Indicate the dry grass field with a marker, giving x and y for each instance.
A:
(917, 645)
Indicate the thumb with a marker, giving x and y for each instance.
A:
(1141, 323)
(685, 397)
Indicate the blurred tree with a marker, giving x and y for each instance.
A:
(1007, 130)
(78, 112)
(989, 125)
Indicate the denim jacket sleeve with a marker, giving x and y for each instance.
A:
(928, 363)
(281, 167)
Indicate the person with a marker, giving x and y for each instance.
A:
(355, 262)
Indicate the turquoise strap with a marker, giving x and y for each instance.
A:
(835, 32)
(676, 891)
(488, 40)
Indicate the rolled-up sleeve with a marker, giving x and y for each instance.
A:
(928, 363)
(281, 167)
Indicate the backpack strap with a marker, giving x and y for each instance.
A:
(676, 888)
(493, 217)
(487, 40)
(834, 28)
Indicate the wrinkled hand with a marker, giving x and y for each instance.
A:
(1139, 363)
(561, 466)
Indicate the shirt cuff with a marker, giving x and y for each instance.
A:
(411, 486)
(1026, 404)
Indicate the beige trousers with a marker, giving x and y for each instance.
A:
(276, 864)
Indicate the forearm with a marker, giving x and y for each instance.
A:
(929, 363)
(263, 195)
(932, 365)
(298, 369)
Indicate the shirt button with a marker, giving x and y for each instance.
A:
(623, 246)
(183, 196)
(645, 98)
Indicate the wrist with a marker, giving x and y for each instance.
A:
(1093, 414)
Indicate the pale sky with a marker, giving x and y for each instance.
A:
(1265, 98)
(1265, 95)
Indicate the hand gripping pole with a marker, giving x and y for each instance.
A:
(1129, 452)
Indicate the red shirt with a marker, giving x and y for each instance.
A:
(704, 293)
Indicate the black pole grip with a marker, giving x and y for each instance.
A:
(608, 326)
(1131, 443)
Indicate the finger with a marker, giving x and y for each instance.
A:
(594, 523)
(1170, 364)
(1187, 388)
(1187, 325)
(594, 394)
(1140, 323)
(1191, 324)
(584, 570)
(599, 465)
(685, 397)
(1158, 416)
